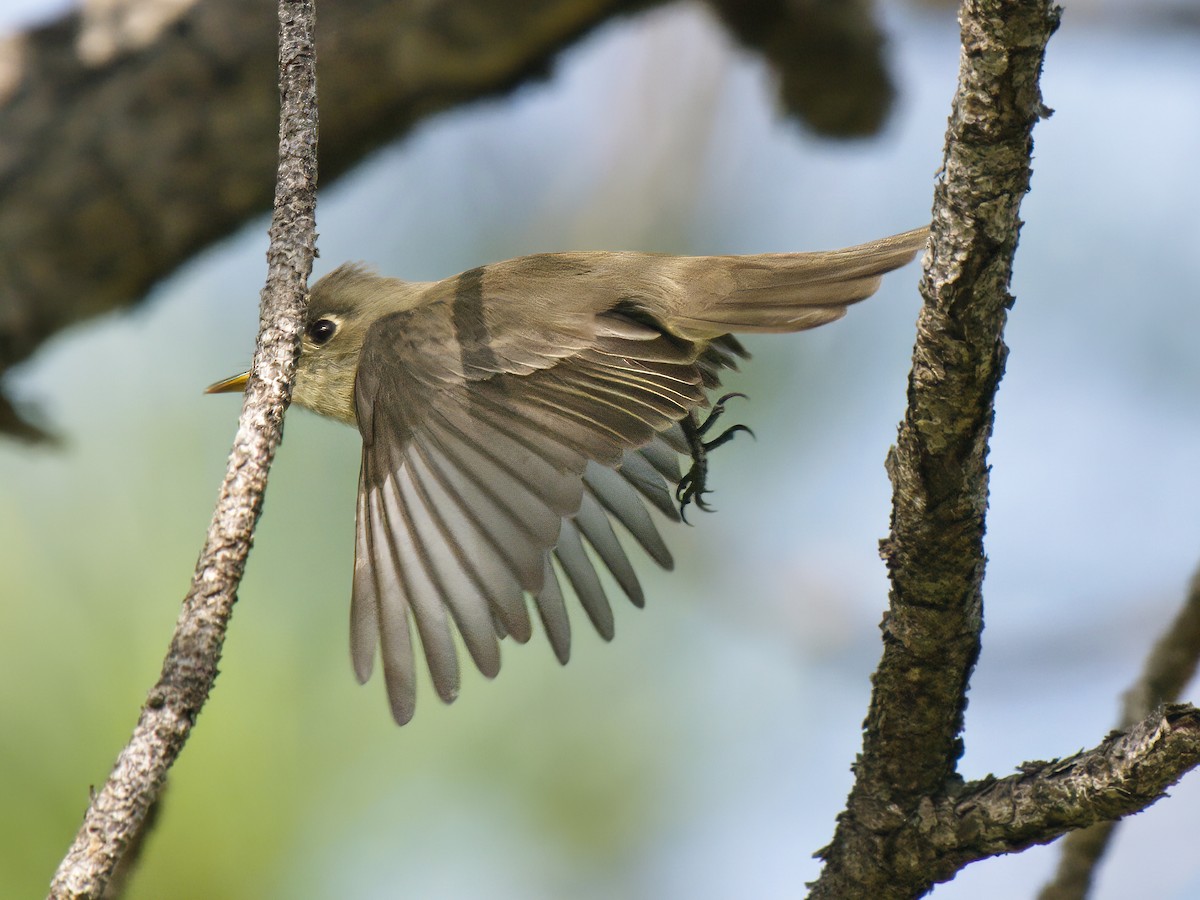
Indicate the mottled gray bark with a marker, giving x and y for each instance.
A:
(1127, 772)
(122, 156)
(934, 554)
(118, 809)
(910, 822)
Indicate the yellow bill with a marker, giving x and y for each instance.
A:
(229, 385)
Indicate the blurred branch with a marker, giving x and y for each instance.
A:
(1169, 668)
(16, 423)
(117, 811)
(125, 151)
(938, 468)
(828, 56)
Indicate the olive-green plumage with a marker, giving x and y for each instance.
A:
(511, 413)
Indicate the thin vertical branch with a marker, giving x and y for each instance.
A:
(190, 668)
(1169, 668)
(939, 471)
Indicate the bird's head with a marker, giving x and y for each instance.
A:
(342, 307)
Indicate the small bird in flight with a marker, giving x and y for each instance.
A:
(510, 414)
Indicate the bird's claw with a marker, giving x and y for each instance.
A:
(726, 436)
(693, 486)
(715, 413)
(686, 492)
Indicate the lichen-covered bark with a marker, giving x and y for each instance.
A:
(119, 807)
(1124, 774)
(935, 554)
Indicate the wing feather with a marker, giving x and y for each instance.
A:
(582, 575)
(594, 525)
(491, 519)
(364, 613)
(516, 498)
(419, 592)
(552, 609)
(663, 453)
(391, 612)
(618, 496)
(650, 482)
(471, 487)
(472, 586)
(493, 565)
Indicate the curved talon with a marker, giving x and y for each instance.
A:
(685, 493)
(715, 412)
(726, 436)
(681, 489)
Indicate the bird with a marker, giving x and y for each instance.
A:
(511, 415)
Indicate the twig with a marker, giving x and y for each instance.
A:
(1169, 668)
(938, 468)
(190, 667)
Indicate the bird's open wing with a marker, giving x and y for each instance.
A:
(479, 461)
(522, 407)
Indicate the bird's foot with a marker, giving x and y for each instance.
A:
(694, 485)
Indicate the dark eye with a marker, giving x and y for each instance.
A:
(321, 330)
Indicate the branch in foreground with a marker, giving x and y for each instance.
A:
(190, 668)
(938, 468)
(1169, 668)
(1126, 773)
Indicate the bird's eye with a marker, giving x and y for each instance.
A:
(321, 330)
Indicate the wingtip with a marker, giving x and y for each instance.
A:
(362, 660)
(402, 710)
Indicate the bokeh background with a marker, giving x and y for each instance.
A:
(706, 751)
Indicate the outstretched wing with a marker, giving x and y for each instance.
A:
(521, 408)
(482, 455)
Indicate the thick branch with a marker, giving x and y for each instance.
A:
(123, 154)
(1126, 773)
(1169, 668)
(938, 468)
(116, 168)
(190, 668)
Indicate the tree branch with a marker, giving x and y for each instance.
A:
(1169, 668)
(829, 58)
(1127, 772)
(938, 468)
(108, 182)
(190, 667)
